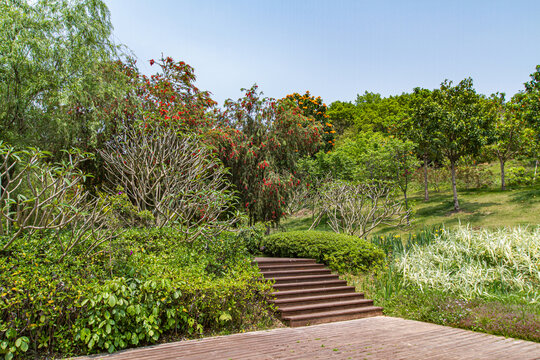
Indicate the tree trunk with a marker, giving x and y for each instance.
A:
(426, 193)
(503, 184)
(454, 189)
(407, 207)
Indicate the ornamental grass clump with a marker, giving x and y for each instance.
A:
(477, 263)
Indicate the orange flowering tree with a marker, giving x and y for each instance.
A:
(260, 140)
(313, 108)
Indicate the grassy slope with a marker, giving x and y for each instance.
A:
(489, 207)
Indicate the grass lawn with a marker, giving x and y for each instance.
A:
(480, 208)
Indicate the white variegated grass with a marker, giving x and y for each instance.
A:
(474, 263)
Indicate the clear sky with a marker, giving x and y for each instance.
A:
(336, 49)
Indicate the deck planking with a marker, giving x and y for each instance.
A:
(378, 337)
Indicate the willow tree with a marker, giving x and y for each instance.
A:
(57, 70)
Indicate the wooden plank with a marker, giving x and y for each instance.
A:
(370, 338)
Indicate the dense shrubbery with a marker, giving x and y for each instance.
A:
(340, 252)
(149, 285)
(520, 176)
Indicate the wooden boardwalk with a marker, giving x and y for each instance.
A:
(370, 338)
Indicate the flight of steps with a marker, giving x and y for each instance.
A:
(307, 293)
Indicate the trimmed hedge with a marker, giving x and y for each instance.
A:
(342, 253)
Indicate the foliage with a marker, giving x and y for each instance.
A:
(510, 135)
(477, 263)
(472, 175)
(174, 177)
(57, 72)
(169, 99)
(377, 114)
(252, 237)
(529, 107)
(313, 108)
(341, 115)
(501, 311)
(340, 252)
(369, 156)
(151, 286)
(420, 126)
(40, 196)
(358, 208)
(260, 141)
(520, 176)
(463, 120)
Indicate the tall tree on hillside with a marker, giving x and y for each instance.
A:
(509, 134)
(342, 116)
(463, 122)
(56, 71)
(529, 106)
(420, 126)
(378, 114)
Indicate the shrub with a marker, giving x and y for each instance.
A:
(519, 176)
(149, 286)
(340, 252)
(474, 176)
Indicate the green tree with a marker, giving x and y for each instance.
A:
(529, 107)
(342, 115)
(56, 72)
(464, 119)
(420, 126)
(510, 134)
(378, 114)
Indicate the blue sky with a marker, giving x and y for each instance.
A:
(335, 49)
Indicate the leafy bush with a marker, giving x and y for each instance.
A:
(147, 287)
(340, 252)
(474, 176)
(519, 176)
(252, 237)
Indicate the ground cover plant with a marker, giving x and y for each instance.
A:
(152, 286)
(483, 280)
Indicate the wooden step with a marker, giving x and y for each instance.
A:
(291, 294)
(282, 273)
(310, 285)
(317, 299)
(330, 316)
(324, 307)
(291, 266)
(282, 261)
(303, 278)
(308, 293)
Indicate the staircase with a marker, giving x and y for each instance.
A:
(307, 293)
